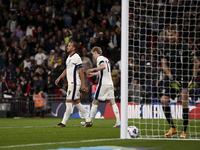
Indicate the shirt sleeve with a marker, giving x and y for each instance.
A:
(78, 62)
(100, 60)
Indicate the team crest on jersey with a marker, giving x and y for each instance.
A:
(69, 92)
(78, 94)
(163, 91)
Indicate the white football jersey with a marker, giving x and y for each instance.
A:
(105, 74)
(73, 63)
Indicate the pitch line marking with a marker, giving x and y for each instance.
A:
(71, 142)
(31, 127)
(85, 141)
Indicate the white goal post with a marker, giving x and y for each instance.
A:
(124, 69)
(145, 32)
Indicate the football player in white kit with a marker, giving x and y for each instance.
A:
(75, 79)
(105, 88)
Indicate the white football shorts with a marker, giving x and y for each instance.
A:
(104, 92)
(73, 92)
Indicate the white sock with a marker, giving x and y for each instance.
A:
(67, 113)
(93, 111)
(116, 112)
(83, 112)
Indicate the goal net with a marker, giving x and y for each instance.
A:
(154, 45)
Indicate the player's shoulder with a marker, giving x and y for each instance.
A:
(101, 57)
(183, 45)
(186, 46)
(75, 56)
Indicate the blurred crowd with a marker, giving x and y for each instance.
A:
(34, 35)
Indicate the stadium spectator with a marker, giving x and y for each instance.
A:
(85, 38)
(64, 56)
(8, 94)
(49, 85)
(40, 57)
(18, 59)
(25, 46)
(3, 59)
(67, 19)
(50, 58)
(59, 38)
(19, 97)
(7, 34)
(50, 45)
(40, 72)
(101, 42)
(23, 84)
(58, 67)
(30, 30)
(58, 51)
(113, 39)
(116, 8)
(39, 34)
(118, 23)
(27, 63)
(19, 32)
(67, 36)
(87, 64)
(136, 92)
(40, 102)
(12, 23)
(14, 37)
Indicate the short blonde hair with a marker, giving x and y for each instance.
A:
(97, 49)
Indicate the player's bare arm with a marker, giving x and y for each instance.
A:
(101, 67)
(192, 83)
(81, 73)
(166, 68)
(91, 73)
(196, 66)
(60, 77)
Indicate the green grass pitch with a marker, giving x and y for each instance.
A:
(39, 134)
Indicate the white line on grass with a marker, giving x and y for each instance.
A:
(85, 141)
(30, 127)
(25, 127)
(39, 144)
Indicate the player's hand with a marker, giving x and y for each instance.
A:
(82, 88)
(56, 82)
(89, 71)
(175, 84)
(192, 83)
